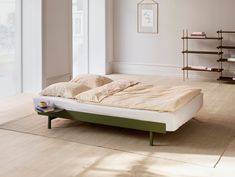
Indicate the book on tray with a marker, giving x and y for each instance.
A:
(45, 109)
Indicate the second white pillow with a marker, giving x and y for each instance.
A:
(64, 89)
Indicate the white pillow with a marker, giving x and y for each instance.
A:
(64, 89)
(91, 80)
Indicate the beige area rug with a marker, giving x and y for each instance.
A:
(197, 142)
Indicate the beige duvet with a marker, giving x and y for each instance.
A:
(129, 94)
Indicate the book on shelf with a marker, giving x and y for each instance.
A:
(198, 34)
(198, 67)
(203, 68)
(231, 59)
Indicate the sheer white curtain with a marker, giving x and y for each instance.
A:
(10, 50)
(80, 36)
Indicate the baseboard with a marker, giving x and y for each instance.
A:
(162, 70)
(143, 68)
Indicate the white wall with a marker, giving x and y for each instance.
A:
(161, 54)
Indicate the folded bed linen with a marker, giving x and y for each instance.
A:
(134, 95)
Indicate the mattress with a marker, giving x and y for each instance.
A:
(173, 120)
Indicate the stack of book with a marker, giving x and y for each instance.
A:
(199, 34)
(231, 58)
(201, 67)
(44, 107)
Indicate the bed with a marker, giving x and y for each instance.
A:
(140, 119)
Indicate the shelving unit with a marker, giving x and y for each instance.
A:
(222, 59)
(186, 68)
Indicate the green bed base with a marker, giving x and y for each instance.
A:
(151, 127)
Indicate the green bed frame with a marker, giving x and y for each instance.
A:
(151, 127)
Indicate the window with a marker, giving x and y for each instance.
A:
(80, 36)
(10, 56)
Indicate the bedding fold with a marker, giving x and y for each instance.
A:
(100, 93)
(134, 95)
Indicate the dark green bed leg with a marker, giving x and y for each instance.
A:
(151, 137)
(49, 122)
(50, 118)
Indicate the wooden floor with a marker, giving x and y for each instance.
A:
(28, 155)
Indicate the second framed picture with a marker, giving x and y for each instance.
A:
(147, 16)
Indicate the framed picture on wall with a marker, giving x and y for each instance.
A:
(147, 16)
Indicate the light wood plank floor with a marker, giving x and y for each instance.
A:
(28, 155)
